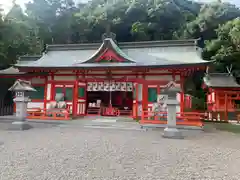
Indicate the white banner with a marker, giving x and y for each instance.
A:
(110, 86)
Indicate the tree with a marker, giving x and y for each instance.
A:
(61, 21)
(17, 36)
(3, 58)
(225, 49)
(209, 18)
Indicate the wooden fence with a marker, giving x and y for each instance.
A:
(6, 108)
(43, 114)
(185, 118)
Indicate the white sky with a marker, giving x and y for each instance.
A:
(8, 3)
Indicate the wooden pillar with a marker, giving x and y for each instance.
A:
(136, 100)
(182, 93)
(75, 97)
(217, 100)
(226, 106)
(145, 96)
(52, 88)
(45, 93)
(158, 89)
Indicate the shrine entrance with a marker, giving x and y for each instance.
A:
(109, 99)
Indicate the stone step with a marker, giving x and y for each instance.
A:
(116, 127)
(104, 124)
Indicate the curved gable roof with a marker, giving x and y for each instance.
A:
(220, 80)
(133, 54)
(110, 46)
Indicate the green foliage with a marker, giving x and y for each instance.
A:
(225, 49)
(18, 36)
(209, 18)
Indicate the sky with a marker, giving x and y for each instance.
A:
(8, 3)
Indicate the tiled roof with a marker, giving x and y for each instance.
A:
(10, 71)
(148, 53)
(221, 80)
(20, 85)
(28, 59)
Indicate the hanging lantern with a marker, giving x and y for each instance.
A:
(129, 87)
(123, 86)
(106, 86)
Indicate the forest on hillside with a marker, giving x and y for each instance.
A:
(44, 22)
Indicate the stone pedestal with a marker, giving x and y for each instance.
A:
(21, 89)
(20, 123)
(171, 131)
(20, 126)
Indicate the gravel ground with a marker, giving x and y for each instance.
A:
(103, 154)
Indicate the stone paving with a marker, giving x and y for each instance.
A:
(67, 153)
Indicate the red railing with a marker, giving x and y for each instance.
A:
(93, 111)
(43, 114)
(108, 111)
(184, 118)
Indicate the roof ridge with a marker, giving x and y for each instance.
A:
(31, 55)
(180, 41)
(227, 74)
(161, 43)
(108, 43)
(29, 58)
(225, 80)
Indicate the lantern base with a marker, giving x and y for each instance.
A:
(172, 133)
(20, 126)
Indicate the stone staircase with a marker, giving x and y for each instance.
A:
(105, 123)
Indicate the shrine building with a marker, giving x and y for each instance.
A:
(223, 97)
(124, 77)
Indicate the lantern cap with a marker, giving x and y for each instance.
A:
(172, 86)
(22, 85)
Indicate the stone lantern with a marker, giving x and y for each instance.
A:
(22, 89)
(171, 90)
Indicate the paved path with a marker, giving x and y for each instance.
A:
(102, 154)
(88, 122)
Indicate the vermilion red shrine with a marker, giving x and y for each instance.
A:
(108, 55)
(108, 79)
(223, 98)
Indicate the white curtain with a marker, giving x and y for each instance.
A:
(110, 86)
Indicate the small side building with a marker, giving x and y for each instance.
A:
(223, 93)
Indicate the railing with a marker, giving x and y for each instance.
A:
(223, 115)
(93, 111)
(184, 118)
(126, 112)
(6, 108)
(43, 114)
(108, 111)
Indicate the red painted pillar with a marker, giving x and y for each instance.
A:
(45, 93)
(144, 97)
(182, 93)
(52, 98)
(226, 106)
(75, 98)
(136, 100)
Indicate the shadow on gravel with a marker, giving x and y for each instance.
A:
(227, 127)
(6, 126)
(187, 133)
